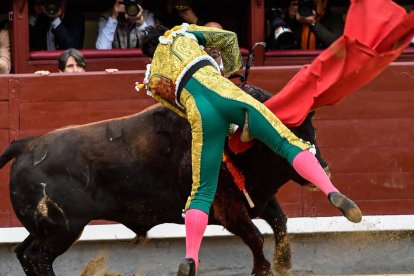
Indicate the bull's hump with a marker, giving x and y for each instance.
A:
(108, 121)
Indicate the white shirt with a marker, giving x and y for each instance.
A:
(49, 36)
(108, 27)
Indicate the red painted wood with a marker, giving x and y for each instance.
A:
(290, 195)
(301, 57)
(4, 84)
(14, 108)
(271, 79)
(5, 206)
(4, 114)
(78, 87)
(348, 133)
(20, 36)
(372, 105)
(57, 114)
(361, 159)
(257, 29)
(367, 138)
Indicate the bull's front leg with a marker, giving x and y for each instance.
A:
(276, 218)
(32, 261)
(232, 214)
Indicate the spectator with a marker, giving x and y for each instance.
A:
(121, 27)
(186, 13)
(5, 63)
(71, 61)
(315, 26)
(53, 24)
(177, 12)
(214, 25)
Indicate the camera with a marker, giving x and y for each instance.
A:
(52, 7)
(132, 7)
(306, 7)
(281, 35)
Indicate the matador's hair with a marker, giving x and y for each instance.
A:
(150, 39)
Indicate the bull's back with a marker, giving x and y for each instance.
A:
(119, 162)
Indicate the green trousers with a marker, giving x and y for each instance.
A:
(212, 103)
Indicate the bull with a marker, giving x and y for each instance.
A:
(136, 170)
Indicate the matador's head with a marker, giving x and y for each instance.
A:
(150, 39)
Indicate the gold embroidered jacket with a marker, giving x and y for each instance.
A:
(182, 47)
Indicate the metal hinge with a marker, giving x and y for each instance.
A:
(10, 16)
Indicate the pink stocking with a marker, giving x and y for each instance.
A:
(195, 225)
(306, 164)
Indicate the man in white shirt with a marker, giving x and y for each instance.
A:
(121, 29)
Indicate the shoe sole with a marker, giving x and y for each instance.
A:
(350, 210)
(184, 270)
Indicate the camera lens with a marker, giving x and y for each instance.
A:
(132, 10)
(284, 38)
(306, 7)
(52, 7)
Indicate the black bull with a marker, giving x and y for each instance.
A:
(136, 170)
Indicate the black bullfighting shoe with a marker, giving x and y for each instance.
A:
(349, 208)
(186, 268)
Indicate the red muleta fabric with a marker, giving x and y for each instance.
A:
(374, 36)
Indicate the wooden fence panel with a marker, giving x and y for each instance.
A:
(367, 138)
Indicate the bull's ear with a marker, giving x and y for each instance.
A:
(309, 117)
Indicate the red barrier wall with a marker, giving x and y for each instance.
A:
(368, 138)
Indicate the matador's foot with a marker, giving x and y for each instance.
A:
(186, 268)
(349, 208)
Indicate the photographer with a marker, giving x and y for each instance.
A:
(55, 25)
(279, 35)
(177, 12)
(314, 24)
(121, 27)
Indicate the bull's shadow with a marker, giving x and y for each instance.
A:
(136, 170)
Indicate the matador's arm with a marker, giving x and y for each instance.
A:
(225, 41)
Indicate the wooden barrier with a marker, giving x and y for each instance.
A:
(367, 138)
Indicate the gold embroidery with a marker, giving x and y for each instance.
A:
(168, 63)
(208, 77)
(229, 49)
(194, 118)
(163, 87)
(225, 41)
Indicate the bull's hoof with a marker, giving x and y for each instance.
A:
(186, 268)
(264, 270)
(349, 208)
(284, 272)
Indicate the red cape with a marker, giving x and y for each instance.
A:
(374, 36)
